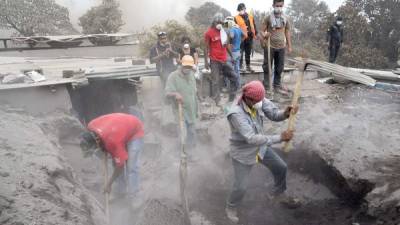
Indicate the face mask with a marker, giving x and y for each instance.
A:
(278, 10)
(339, 23)
(187, 71)
(258, 105)
(219, 27)
(242, 12)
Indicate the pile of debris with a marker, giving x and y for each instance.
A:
(37, 185)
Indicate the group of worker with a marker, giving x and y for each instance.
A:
(228, 41)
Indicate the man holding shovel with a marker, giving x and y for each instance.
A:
(250, 144)
(121, 136)
(181, 87)
(276, 40)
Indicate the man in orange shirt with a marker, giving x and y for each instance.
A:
(246, 23)
(120, 135)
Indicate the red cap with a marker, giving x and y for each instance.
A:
(254, 90)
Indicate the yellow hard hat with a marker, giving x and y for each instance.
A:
(187, 60)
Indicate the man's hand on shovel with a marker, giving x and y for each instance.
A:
(287, 135)
(178, 98)
(291, 109)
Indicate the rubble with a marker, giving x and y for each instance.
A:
(352, 147)
(37, 185)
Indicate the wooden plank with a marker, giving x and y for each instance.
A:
(296, 95)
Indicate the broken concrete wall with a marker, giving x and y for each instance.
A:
(37, 186)
(37, 100)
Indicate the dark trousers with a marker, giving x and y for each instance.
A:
(278, 61)
(245, 47)
(272, 161)
(333, 52)
(219, 71)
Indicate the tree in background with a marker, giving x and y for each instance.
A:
(175, 31)
(105, 18)
(35, 17)
(199, 20)
(384, 21)
(358, 49)
(309, 19)
(203, 15)
(306, 16)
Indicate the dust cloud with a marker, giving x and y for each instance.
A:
(136, 14)
(143, 14)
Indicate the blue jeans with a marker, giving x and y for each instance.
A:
(235, 63)
(191, 139)
(128, 181)
(272, 161)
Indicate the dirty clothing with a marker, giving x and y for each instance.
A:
(245, 51)
(220, 71)
(247, 132)
(115, 131)
(335, 39)
(272, 161)
(247, 138)
(277, 26)
(185, 85)
(166, 65)
(246, 22)
(235, 64)
(128, 182)
(277, 62)
(217, 52)
(236, 35)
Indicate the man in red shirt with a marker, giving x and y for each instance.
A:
(217, 51)
(120, 135)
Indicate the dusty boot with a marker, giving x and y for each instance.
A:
(231, 213)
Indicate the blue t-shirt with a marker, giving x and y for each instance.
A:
(236, 36)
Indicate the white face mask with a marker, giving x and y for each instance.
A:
(242, 12)
(258, 105)
(339, 23)
(219, 27)
(278, 10)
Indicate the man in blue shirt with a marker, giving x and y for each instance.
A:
(235, 35)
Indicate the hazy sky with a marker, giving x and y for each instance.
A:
(139, 14)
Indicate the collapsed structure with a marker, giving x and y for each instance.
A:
(346, 140)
